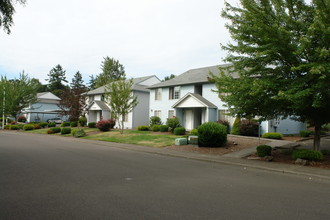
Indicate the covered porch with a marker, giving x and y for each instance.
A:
(193, 110)
(97, 111)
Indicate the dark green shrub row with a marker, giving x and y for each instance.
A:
(54, 130)
(65, 124)
(307, 154)
(179, 131)
(273, 135)
(28, 127)
(155, 128)
(212, 134)
(264, 150)
(51, 125)
(14, 127)
(305, 133)
(74, 124)
(142, 128)
(163, 128)
(92, 124)
(66, 130)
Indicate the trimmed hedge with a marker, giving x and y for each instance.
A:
(51, 125)
(82, 121)
(28, 127)
(307, 154)
(43, 124)
(92, 124)
(14, 127)
(66, 130)
(305, 133)
(235, 130)
(54, 130)
(163, 128)
(155, 120)
(212, 134)
(273, 135)
(65, 124)
(74, 124)
(264, 150)
(179, 131)
(104, 125)
(155, 128)
(142, 128)
(195, 132)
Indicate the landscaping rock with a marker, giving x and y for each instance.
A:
(268, 158)
(301, 162)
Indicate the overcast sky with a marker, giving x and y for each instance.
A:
(149, 37)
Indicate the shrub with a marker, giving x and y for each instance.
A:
(264, 150)
(78, 133)
(49, 131)
(20, 126)
(236, 126)
(51, 125)
(173, 123)
(112, 123)
(43, 124)
(14, 127)
(36, 126)
(82, 121)
(142, 128)
(212, 134)
(307, 154)
(21, 119)
(28, 127)
(155, 128)
(273, 135)
(155, 120)
(9, 120)
(54, 130)
(7, 127)
(104, 125)
(249, 128)
(65, 124)
(13, 123)
(92, 124)
(65, 130)
(179, 131)
(225, 123)
(194, 132)
(326, 127)
(325, 152)
(305, 133)
(163, 128)
(74, 124)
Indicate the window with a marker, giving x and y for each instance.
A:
(158, 113)
(222, 115)
(158, 94)
(170, 113)
(125, 118)
(174, 92)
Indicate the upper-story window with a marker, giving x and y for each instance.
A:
(174, 92)
(158, 94)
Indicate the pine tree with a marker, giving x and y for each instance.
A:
(56, 79)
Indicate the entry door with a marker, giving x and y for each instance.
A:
(189, 119)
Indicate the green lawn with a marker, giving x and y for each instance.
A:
(145, 138)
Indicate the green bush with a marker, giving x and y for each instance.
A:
(326, 127)
(249, 128)
(155, 128)
(43, 124)
(325, 152)
(236, 127)
(7, 127)
(155, 120)
(65, 124)
(163, 128)
(14, 127)
(173, 123)
(28, 127)
(82, 121)
(104, 125)
(20, 126)
(273, 135)
(194, 132)
(51, 125)
(142, 128)
(92, 124)
(54, 130)
(74, 124)
(212, 134)
(78, 133)
(21, 119)
(264, 150)
(305, 133)
(225, 123)
(65, 130)
(307, 154)
(179, 131)
(36, 126)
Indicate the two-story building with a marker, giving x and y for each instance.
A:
(98, 108)
(189, 97)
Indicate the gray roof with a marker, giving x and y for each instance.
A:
(193, 76)
(136, 86)
(101, 104)
(198, 97)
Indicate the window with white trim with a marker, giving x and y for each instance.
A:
(174, 92)
(158, 94)
(170, 113)
(158, 113)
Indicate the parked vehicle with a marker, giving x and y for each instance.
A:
(55, 120)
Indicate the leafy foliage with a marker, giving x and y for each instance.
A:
(65, 130)
(53, 124)
(173, 123)
(56, 79)
(92, 124)
(155, 128)
(105, 125)
(7, 11)
(142, 128)
(82, 121)
(28, 127)
(155, 120)
(43, 124)
(307, 154)
(212, 134)
(74, 124)
(78, 133)
(305, 133)
(264, 150)
(112, 71)
(236, 126)
(194, 132)
(179, 131)
(163, 128)
(272, 135)
(65, 124)
(249, 128)
(225, 123)
(21, 118)
(54, 130)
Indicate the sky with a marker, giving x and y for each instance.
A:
(149, 37)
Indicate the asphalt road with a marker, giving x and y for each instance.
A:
(46, 177)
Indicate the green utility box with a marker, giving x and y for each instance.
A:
(181, 141)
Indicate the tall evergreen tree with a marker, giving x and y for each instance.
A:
(282, 55)
(56, 79)
(112, 70)
(92, 82)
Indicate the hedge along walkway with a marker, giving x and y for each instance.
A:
(144, 138)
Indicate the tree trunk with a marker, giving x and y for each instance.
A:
(317, 137)
(122, 126)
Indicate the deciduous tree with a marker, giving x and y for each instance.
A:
(7, 11)
(112, 70)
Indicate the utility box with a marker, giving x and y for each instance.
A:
(193, 140)
(181, 141)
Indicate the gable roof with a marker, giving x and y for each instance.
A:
(47, 95)
(194, 100)
(136, 86)
(102, 106)
(193, 76)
